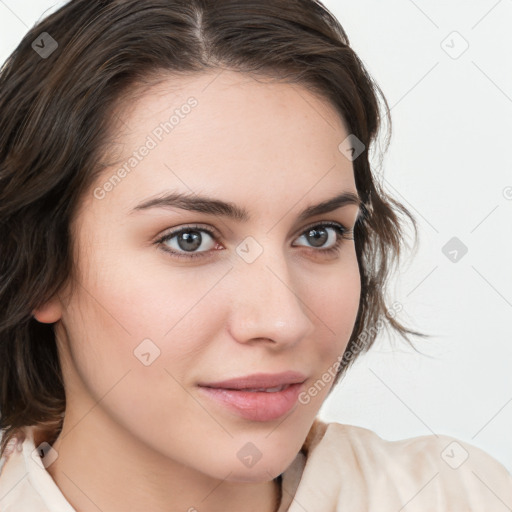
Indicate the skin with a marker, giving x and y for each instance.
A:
(139, 437)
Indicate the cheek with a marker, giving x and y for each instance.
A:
(121, 356)
(126, 309)
(150, 296)
(336, 302)
(107, 324)
(334, 306)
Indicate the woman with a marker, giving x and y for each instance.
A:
(194, 251)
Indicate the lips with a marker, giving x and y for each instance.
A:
(260, 397)
(260, 406)
(265, 382)
(275, 389)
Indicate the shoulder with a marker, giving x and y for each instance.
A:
(13, 474)
(432, 472)
(24, 483)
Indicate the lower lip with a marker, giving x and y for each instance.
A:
(256, 405)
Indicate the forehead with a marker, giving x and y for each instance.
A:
(229, 135)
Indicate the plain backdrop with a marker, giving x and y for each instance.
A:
(445, 70)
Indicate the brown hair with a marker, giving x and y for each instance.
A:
(56, 109)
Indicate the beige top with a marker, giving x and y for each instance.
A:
(340, 468)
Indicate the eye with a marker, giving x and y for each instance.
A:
(188, 240)
(327, 237)
(194, 241)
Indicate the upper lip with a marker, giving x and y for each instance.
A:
(259, 380)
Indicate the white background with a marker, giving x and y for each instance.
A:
(449, 161)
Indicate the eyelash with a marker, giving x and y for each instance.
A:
(341, 231)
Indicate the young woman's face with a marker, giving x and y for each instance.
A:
(157, 314)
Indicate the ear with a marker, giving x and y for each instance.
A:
(50, 312)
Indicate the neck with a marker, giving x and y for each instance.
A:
(100, 465)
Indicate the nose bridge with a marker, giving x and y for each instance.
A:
(267, 302)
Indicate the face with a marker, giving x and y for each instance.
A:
(173, 296)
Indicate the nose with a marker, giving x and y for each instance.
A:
(267, 303)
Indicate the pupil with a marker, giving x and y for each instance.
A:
(189, 240)
(319, 236)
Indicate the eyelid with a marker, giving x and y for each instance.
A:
(328, 223)
(185, 227)
(342, 232)
(214, 232)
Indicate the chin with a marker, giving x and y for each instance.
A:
(254, 475)
(242, 469)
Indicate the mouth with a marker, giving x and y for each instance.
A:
(265, 382)
(275, 389)
(260, 404)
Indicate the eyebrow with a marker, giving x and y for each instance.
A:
(211, 206)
